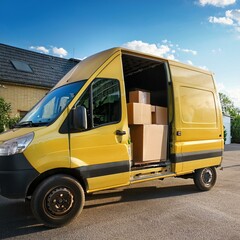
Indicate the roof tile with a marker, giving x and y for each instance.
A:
(47, 70)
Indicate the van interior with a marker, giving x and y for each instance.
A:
(147, 75)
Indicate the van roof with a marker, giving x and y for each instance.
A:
(87, 67)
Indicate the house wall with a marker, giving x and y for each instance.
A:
(22, 98)
(227, 125)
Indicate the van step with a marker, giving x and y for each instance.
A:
(146, 177)
(151, 165)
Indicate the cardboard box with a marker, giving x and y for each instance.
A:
(149, 142)
(159, 115)
(139, 113)
(153, 109)
(139, 97)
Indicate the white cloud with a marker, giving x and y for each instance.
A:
(159, 50)
(188, 51)
(235, 95)
(164, 49)
(232, 93)
(221, 20)
(190, 62)
(231, 18)
(203, 67)
(234, 15)
(40, 49)
(61, 52)
(220, 87)
(171, 57)
(216, 51)
(217, 3)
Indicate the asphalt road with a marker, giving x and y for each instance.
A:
(169, 209)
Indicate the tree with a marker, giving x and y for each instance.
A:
(5, 109)
(5, 120)
(228, 107)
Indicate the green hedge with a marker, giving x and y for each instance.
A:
(235, 129)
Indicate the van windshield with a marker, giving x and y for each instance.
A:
(51, 106)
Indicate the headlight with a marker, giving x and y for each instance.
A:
(15, 145)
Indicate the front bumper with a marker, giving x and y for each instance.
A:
(16, 174)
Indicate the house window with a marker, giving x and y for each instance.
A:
(22, 113)
(21, 66)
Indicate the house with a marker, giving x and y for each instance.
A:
(26, 76)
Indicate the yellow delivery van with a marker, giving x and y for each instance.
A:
(119, 117)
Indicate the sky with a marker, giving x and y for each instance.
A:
(203, 33)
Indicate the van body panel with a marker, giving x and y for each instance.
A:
(198, 121)
(86, 68)
(201, 163)
(106, 182)
(16, 174)
(17, 132)
(48, 150)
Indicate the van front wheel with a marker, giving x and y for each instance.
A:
(57, 200)
(205, 178)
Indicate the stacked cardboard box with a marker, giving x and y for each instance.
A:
(139, 97)
(148, 128)
(139, 113)
(159, 115)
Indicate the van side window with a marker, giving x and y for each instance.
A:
(102, 101)
(106, 101)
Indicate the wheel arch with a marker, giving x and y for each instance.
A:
(69, 171)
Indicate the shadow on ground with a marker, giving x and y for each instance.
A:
(16, 218)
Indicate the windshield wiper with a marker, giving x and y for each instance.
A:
(30, 124)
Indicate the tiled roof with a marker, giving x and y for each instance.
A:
(47, 70)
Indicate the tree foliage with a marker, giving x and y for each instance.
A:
(5, 120)
(228, 107)
(5, 109)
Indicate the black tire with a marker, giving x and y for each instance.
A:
(205, 178)
(57, 200)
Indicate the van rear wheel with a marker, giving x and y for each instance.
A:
(57, 200)
(205, 178)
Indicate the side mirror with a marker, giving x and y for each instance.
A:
(80, 118)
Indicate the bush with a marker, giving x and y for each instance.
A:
(225, 134)
(235, 129)
(5, 109)
(13, 121)
(5, 120)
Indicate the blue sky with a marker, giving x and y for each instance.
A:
(204, 33)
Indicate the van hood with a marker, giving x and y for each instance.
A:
(17, 132)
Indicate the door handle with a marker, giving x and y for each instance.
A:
(120, 132)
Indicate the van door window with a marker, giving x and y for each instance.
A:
(102, 102)
(106, 101)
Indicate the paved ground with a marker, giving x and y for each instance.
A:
(169, 209)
